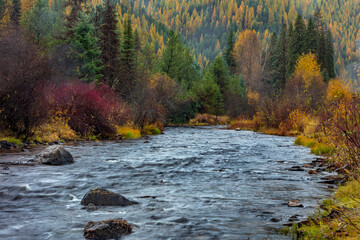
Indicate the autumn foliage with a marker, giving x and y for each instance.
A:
(90, 109)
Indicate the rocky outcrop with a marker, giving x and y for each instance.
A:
(54, 155)
(103, 197)
(109, 229)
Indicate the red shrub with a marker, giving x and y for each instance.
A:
(90, 109)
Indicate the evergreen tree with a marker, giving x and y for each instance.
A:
(110, 45)
(330, 62)
(149, 59)
(228, 54)
(72, 18)
(220, 71)
(296, 44)
(270, 64)
(86, 49)
(127, 75)
(311, 37)
(280, 63)
(171, 58)
(321, 51)
(208, 95)
(188, 69)
(15, 12)
(137, 41)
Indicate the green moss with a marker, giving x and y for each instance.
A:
(12, 140)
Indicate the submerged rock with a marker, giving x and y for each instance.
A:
(312, 172)
(54, 155)
(296, 169)
(91, 207)
(295, 203)
(103, 197)
(109, 229)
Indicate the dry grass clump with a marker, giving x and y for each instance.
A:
(208, 119)
(128, 132)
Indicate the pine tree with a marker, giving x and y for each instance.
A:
(72, 18)
(270, 64)
(127, 75)
(188, 69)
(321, 51)
(86, 49)
(311, 37)
(171, 58)
(296, 44)
(15, 12)
(280, 63)
(208, 95)
(228, 54)
(330, 61)
(220, 71)
(110, 45)
(137, 41)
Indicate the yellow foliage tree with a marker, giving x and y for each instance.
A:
(218, 46)
(308, 68)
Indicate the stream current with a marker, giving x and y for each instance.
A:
(191, 183)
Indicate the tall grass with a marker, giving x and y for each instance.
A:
(317, 148)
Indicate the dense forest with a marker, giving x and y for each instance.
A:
(92, 67)
(204, 22)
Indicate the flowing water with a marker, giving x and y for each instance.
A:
(204, 183)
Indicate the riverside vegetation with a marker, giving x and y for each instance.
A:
(74, 70)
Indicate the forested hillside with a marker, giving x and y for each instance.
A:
(204, 23)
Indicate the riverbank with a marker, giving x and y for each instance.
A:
(52, 136)
(337, 217)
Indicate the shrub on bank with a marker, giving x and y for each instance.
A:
(151, 130)
(90, 109)
(55, 129)
(128, 132)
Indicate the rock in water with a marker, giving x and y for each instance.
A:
(103, 197)
(54, 155)
(109, 229)
(294, 203)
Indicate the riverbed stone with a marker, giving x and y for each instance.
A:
(7, 145)
(54, 155)
(103, 197)
(109, 229)
(295, 203)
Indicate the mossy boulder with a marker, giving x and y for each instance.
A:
(103, 197)
(109, 229)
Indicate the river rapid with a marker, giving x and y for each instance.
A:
(191, 183)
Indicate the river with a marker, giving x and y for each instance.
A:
(204, 183)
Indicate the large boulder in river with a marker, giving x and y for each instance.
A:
(109, 229)
(103, 197)
(54, 155)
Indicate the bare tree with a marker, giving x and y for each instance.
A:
(23, 75)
